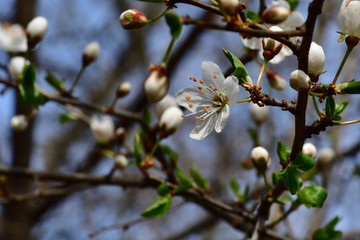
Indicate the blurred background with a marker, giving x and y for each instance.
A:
(126, 56)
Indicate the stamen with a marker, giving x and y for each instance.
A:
(214, 77)
(188, 98)
(202, 92)
(183, 115)
(190, 105)
(196, 117)
(215, 89)
(199, 87)
(201, 81)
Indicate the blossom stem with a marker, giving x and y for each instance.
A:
(167, 54)
(77, 79)
(214, 2)
(155, 147)
(158, 17)
(347, 123)
(266, 181)
(347, 53)
(113, 102)
(244, 100)
(261, 72)
(316, 94)
(316, 106)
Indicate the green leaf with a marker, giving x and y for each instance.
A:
(340, 107)
(330, 107)
(312, 196)
(186, 182)
(352, 87)
(328, 232)
(29, 93)
(281, 151)
(138, 149)
(293, 4)
(65, 117)
(168, 151)
(174, 22)
(54, 82)
(163, 189)
(158, 208)
(198, 178)
(290, 178)
(254, 134)
(251, 15)
(303, 162)
(147, 117)
(342, 37)
(235, 187)
(240, 70)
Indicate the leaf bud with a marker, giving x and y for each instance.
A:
(102, 128)
(299, 80)
(259, 114)
(90, 53)
(275, 15)
(132, 19)
(170, 121)
(260, 158)
(36, 30)
(276, 80)
(16, 66)
(309, 149)
(156, 85)
(121, 162)
(123, 89)
(19, 123)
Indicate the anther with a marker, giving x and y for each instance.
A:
(183, 116)
(215, 89)
(199, 87)
(187, 98)
(214, 77)
(202, 92)
(190, 105)
(201, 81)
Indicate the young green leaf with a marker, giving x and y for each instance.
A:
(340, 107)
(29, 93)
(168, 151)
(138, 149)
(312, 196)
(54, 82)
(281, 151)
(352, 87)
(159, 208)
(163, 189)
(147, 117)
(251, 15)
(174, 22)
(342, 37)
(186, 182)
(240, 70)
(290, 178)
(328, 232)
(293, 4)
(65, 117)
(330, 107)
(198, 178)
(303, 162)
(235, 187)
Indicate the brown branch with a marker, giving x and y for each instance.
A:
(196, 3)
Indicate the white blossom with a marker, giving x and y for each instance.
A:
(209, 100)
(316, 59)
(102, 128)
(309, 149)
(13, 38)
(348, 18)
(16, 66)
(299, 80)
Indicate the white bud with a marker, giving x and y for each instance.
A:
(229, 6)
(16, 67)
(276, 80)
(309, 149)
(156, 85)
(170, 120)
(316, 59)
(90, 53)
(261, 158)
(121, 161)
(276, 14)
(259, 114)
(13, 38)
(165, 103)
(36, 30)
(123, 89)
(299, 80)
(102, 128)
(19, 123)
(348, 18)
(326, 156)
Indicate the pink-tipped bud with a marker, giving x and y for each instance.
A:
(271, 48)
(132, 19)
(36, 30)
(90, 53)
(19, 123)
(170, 121)
(156, 85)
(276, 80)
(260, 158)
(275, 15)
(299, 80)
(309, 149)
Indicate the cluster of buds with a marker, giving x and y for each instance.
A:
(16, 66)
(260, 158)
(36, 30)
(132, 19)
(299, 80)
(156, 85)
(90, 53)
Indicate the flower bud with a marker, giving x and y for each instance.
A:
(157, 84)
(19, 123)
(120, 134)
(123, 89)
(348, 18)
(326, 156)
(121, 162)
(275, 15)
(16, 67)
(299, 80)
(102, 128)
(309, 149)
(13, 38)
(316, 59)
(36, 30)
(170, 121)
(229, 7)
(259, 114)
(276, 80)
(90, 53)
(271, 47)
(260, 158)
(165, 103)
(132, 19)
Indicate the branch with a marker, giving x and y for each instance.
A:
(197, 3)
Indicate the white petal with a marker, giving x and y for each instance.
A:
(252, 43)
(203, 128)
(231, 89)
(211, 74)
(198, 100)
(222, 118)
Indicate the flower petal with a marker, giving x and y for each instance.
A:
(203, 128)
(197, 100)
(222, 118)
(231, 89)
(211, 74)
